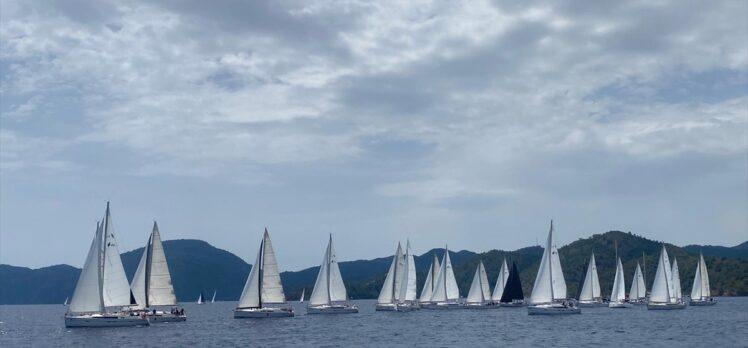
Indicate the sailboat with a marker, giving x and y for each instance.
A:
(618, 294)
(446, 293)
(200, 299)
(428, 285)
(66, 302)
(479, 295)
(663, 291)
(549, 291)
(676, 281)
(701, 295)
(329, 295)
(102, 294)
(390, 292)
(407, 300)
(513, 295)
(638, 292)
(151, 285)
(301, 300)
(213, 300)
(263, 295)
(590, 295)
(498, 289)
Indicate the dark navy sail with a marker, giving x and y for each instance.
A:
(513, 289)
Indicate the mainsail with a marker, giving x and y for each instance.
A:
(263, 284)
(498, 289)
(446, 289)
(116, 289)
(549, 282)
(431, 277)
(513, 288)
(700, 290)
(391, 288)
(151, 284)
(618, 293)
(329, 286)
(479, 291)
(408, 283)
(662, 287)
(676, 281)
(591, 288)
(638, 289)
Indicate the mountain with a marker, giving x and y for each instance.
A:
(197, 266)
(740, 250)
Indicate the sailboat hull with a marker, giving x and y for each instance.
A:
(514, 304)
(97, 320)
(407, 307)
(332, 309)
(385, 307)
(709, 302)
(591, 304)
(666, 306)
(619, 305)
(553, 309)
(444, 305)
(489, 305)
(258, 313)
(161, 317)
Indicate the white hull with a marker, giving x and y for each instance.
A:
(407, 307)
(166, 318)
(591, 304)
(619, 305)
(263, 313)
(552, 309)
(709, 302)
(385, 307)
(444, 305)
(332, 309)
(638, 302)
(97, 320)
(666, 306)
(512, 304)
(481, 305)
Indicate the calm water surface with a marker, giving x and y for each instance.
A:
(723, 325)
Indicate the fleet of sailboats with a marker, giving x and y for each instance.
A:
(549, 291)
(102, 297)
(263, 295)
(700, 293)
(151, 285)
(329, 295)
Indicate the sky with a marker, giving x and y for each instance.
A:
(467, 123)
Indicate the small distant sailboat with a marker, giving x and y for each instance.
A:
(303, 291)
(151, 285)
(513, 295)
(663, 292)
(263, 295)
(638, 292)
(676, 281)
(390, 292)
(618, 294)
(590, 295)
(213, 300)
(479, 295)
(102, 295)
(549, 291)
(446, 293)
(498, 289)
(200, 299)
(407, 300)
(66, 302)
(329, 295)
(701, 295)
(428, 286)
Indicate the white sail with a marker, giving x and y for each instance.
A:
(302, 295)
(200, 299)
(618, 294)
(263, 284)
(329, 286)
(479, 291)
(591, 288)
(498, 289)
(408, 283)
(88, 297)
(213, 300)
(662, 288)
(638, 289)
(446, 284)
(116, 288)
(151, 285)
(389, 291)
(549, 282)
(700, 289)
(676, 281)
(428, 286)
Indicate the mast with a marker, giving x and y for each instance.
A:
(394, 280)
(329, 257)
(550, 255)
(262, 262)
(644, 271)
(101, 257)
(148, 257)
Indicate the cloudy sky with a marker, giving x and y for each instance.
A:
(470, 123)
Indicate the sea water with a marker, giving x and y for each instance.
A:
(213, 325)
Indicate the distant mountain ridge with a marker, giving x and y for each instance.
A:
(197, 266)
